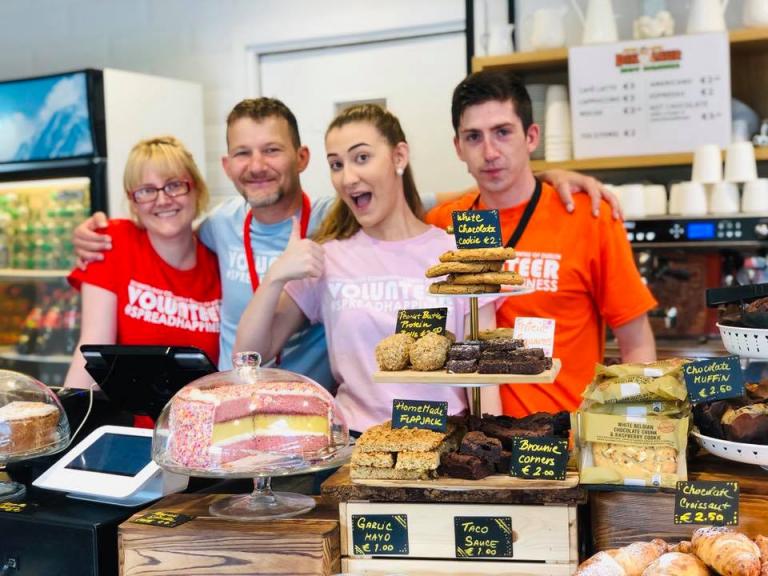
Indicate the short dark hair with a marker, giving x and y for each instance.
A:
(491, 84)
(260, 108)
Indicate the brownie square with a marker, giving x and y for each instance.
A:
(524, 366)
(480, 445)
(502, 466)
(464, 466)
(461, 366)
(502, 344)
(464, 352)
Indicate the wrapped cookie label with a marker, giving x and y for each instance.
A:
(380, 534)
(477, 229)
(539, 458)
(423, 414)
(707, 502)
(714, 379)
(483, 536)
(420, 321)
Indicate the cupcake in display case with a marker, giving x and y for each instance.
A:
(32, 423)
(252, 422)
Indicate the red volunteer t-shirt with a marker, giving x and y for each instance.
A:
(156, 303)
(584, 275)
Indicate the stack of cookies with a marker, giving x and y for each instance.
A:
(387, 453)
(402, 351)
(473, 271)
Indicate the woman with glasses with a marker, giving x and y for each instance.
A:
(159, 284)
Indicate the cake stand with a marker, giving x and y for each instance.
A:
(475, 380)
(263, 504)
(12, 491)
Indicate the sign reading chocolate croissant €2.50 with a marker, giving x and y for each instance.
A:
(477, 229)
(707, 502)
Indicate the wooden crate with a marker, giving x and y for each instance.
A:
(539, 533)
(380, 567)
(306, 545)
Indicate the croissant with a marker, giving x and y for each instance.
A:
(762, 545)
(677, 564)
(636, 557)
(729, 553)
(601, 564)
(683, 546)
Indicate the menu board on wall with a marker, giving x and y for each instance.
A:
(657, 96)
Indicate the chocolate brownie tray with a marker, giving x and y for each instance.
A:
(444, 378)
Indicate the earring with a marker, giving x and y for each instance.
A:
(400, 171)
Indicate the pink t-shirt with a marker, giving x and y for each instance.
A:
(366, 282)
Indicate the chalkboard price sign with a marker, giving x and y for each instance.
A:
(163, 519)
(380, 534)
(539, 458)
(421, 321)
(714, 379)
(477, 229)
(707, 502)
(427, 414)
(483, 536)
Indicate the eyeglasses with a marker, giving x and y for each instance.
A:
(172, 189)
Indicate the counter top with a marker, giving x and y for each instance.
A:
(685, 347)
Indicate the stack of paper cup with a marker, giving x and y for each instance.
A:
(723, 198)
(691, 200)
(557, 137)
(538, 94)
(707, 164)
(755, 199)
(655, 199)
(740, 165)
(633, 201)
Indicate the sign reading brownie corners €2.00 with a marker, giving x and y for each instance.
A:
(477, 229)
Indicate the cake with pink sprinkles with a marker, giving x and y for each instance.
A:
(217, 425)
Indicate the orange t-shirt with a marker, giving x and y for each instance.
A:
(584, 276)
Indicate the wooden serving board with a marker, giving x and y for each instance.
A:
(443, 378)
(497, 488)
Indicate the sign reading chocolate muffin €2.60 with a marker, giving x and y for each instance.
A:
(420, 321)
(714, 379)
(477, 229)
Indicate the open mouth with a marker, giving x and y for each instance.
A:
(167, 213)
(361, 199)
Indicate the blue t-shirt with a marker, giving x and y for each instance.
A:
(222, 231)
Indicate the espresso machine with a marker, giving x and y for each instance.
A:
(680, 258)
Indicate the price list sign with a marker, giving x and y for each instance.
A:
(477, 229)
(483, 536)
(657, 96)
(539, 458)
(707, 502)
(418, 322)
(426, 414)
(714, 379)
(380, 534)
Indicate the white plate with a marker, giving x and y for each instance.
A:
(745, 342)
(736, 451)
(506, 290)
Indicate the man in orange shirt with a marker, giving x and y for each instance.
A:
(582, 270)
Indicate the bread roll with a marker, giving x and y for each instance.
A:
(762, 544)
(636, 557)
(601, 564)
(728, 552)
(677, 564)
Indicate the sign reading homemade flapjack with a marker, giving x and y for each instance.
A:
(477, 229)
(483, 536)
(427, 414)
(714, 379)
(540, 458)
(707, 502)
(418, 322)
(380, 534)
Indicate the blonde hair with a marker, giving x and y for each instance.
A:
(169, 156)
(340, 222)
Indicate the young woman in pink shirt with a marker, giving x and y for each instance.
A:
(366, 262)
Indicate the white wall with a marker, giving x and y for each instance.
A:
(203, 41)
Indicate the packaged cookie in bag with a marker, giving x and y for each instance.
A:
(635, 383)
(631, 450)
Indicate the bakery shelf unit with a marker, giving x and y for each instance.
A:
(475, 380)
(749, 83)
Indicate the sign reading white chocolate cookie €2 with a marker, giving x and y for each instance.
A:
(477, 228)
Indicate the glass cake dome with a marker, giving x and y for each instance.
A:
(32, 423)
(252, 422)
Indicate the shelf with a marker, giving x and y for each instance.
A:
(21, 274)
(443, 378)
(9, 353)
(742, 39)
(627, 162)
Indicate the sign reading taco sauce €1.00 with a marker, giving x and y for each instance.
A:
(483, 536)
(477, 229)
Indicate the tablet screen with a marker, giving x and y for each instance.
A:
(115, 454)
